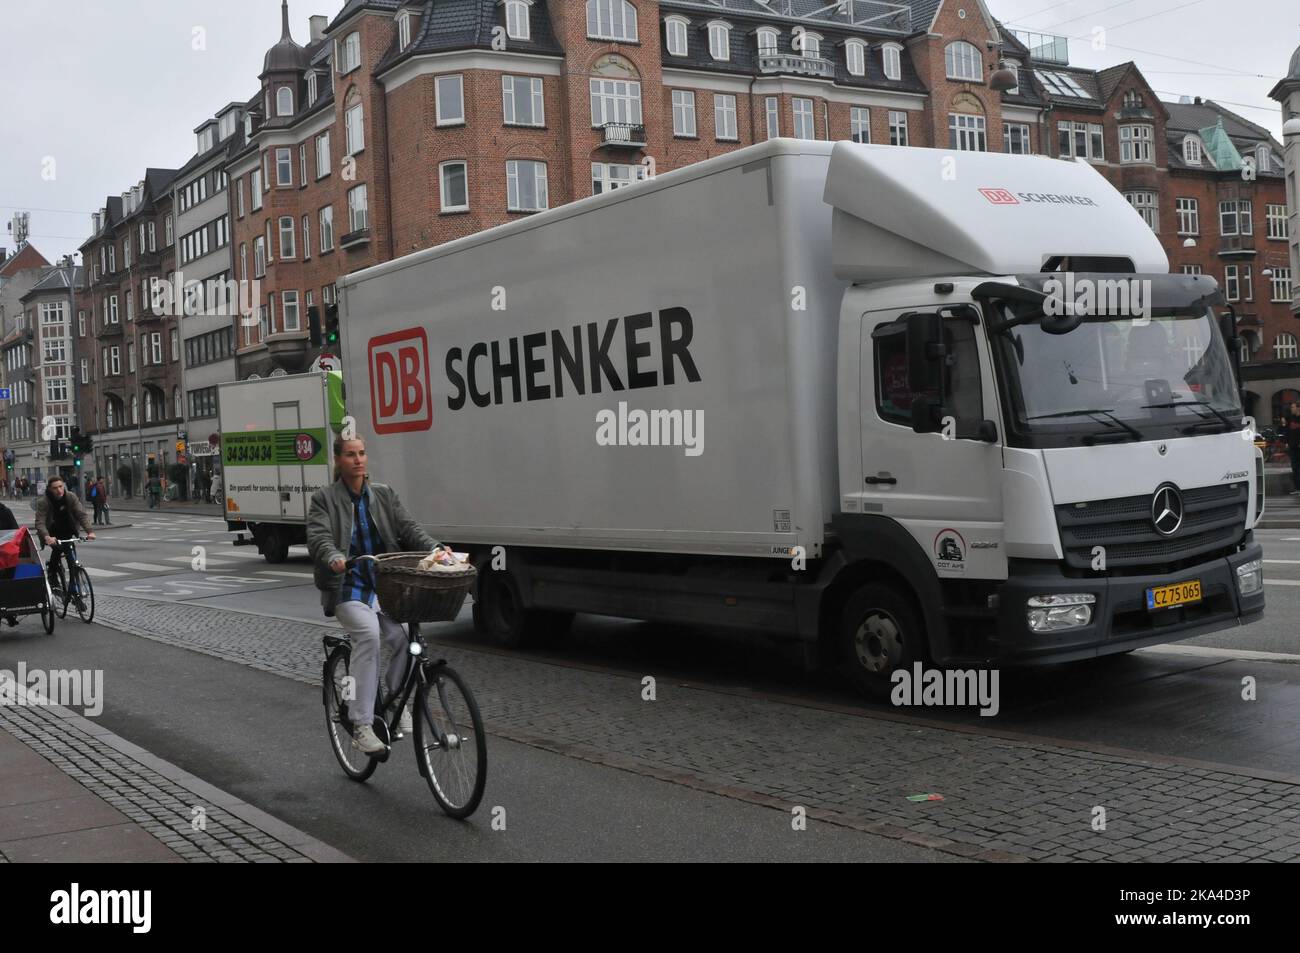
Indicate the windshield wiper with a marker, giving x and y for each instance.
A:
(1107, 416)
(1224, 418)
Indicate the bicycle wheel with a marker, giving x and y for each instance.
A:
(337, 688)
(59, 590)
(450, 742)
(87, 592)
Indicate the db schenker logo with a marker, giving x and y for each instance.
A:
(1000, 196)
(400, 397)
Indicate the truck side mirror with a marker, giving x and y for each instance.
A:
(925, 355)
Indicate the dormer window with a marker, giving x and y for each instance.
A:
(1263, 159)
(1014, 66)
(611, 20)
(1192, 150)
(855, 57)
(964, 62)
(811, 44)
(767, 42)
(891, 55)
(403, 30)
(284, 101)
(720, 40)
(675, 36)
(1132, 99)
(248, 125)
(518, 26)
(311, 88)
(347, 52)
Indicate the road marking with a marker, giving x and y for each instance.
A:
(1282, 582)
(97, 573)
(277, 572)
(152, 567)
(237, 554)
(1284, 562)
(1206, 651)
(210, 563)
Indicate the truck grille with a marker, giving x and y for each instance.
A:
(1214, 518)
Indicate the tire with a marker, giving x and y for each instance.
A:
(87, 592)
(59, 591)
(450, 743)
(500, 615)
(355, 764)
(274, 546)
(880, 632)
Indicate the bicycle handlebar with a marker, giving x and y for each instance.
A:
(75, 539)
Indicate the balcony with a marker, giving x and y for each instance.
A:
(623, 134)
(113, 329)
(1237, 246)
(776, 62)
(359, 237)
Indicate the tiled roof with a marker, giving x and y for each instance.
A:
(54, 278)
(25, 256)
(880, 13)
(468, 24)
(1108, 79)
(355, 6)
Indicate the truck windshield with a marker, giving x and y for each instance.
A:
(1120, 378)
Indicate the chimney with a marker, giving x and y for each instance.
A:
(1198, 100)
(317, 29)
(94, 223)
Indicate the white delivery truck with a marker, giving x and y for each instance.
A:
(277, 444)
(884, 401)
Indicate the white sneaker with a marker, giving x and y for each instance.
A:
(365, 739)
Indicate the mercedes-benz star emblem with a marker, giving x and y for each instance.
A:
(1167, 510)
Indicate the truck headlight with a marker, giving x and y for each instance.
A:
(1053, 613)
(1250, 577)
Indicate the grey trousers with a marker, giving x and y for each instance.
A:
(365, 627)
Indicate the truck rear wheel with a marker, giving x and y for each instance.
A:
(499, 614)
(273, 544)
(880, 632)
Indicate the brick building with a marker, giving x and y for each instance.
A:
(128, 351)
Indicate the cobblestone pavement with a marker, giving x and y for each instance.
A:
(1002, 799)
(161, 806)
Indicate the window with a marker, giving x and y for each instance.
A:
(1281, 282)
(451, 100)
(243, 261)
(112, 309)
(115, 360)
(859, 124)
(311, 88)
(517, 25)
(358, 209)
(897, 128)
(130, 309)
(153, 239)
(894, 400)
(683, 112)
(1132, 99)
(1191, 269)
(284, 101)
(239, 197)
(767, 42)
(126, 252)
(287, 249)
(289, 304)
(966, 133)
(259, 256)
(454, 186)
(892, 61)
(1189, 216)
(302, 164)
(175, 345)
(1235, 217)
(963, 61)
(855, 57)
(56, 390)
(306, 237)
(1277, 223)
(354, 129)
(403, 30)
(724, 117)
(81, 324)
(1147, 206)
(611, 20)
(720, 40)
(155, 348)
(130, 357)
(1098, 142)
(615, 100)
(1135, 144)
(1231, 283)
(270, 247)
(526, 186)
(1191, 150)
(523, 104)
(773, 117)
(1080, 140)
(1015, 138)
(257, 189)
(803, 119)
(1263, 159)
(112, 258)
(348, 52)
(675, 36)
(1247, 284)
(1014, 67)
(1284, 347)
(327, 229)
(322, 155)
(605, 177)
(85, 371)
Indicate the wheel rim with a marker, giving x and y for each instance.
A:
(352, 760)
(87, 592)
(878, 643)
(448, 742)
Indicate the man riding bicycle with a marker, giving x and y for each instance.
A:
(60, 515)
(354, 517)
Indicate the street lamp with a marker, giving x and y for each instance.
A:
(1189, 243)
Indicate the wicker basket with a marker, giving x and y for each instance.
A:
(407, 594)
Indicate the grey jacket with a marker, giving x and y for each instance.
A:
(75, 510)
(329, 532)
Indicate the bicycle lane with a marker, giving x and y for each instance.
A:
(261, 737)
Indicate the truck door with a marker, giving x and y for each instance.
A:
(944, 489)
(289, 477)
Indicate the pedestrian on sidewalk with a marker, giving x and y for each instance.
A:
(1291, 430)
(92, 494)
(153, 489)
(101, 494)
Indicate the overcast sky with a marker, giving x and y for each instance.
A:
(105, 88)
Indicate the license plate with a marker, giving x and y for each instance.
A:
(1181, 594)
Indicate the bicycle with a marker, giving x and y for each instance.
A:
(445, 732)
(81, 591)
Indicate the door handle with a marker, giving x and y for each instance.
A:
(882, 478)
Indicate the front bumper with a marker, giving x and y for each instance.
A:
(1121, 620)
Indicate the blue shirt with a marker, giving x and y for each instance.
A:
(359, 586)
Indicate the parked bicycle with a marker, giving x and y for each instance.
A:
(450, 742)
(80, 593)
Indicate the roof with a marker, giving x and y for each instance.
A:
(884, 15)
(468, 24)
(286, 54)
(25, 256)
(357, 6)
(1108, 79)
(1061, 84)
(1224, 135)
(54, 278)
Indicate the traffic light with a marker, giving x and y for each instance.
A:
(87, 442)
(75, 439)
(313, 325)
(332, 325)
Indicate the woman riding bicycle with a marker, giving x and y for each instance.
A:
(354, 517)
(59, 514)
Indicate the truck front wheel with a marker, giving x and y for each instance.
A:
(880, 632)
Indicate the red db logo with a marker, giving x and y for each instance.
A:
(1000, 197)
(400, 399)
